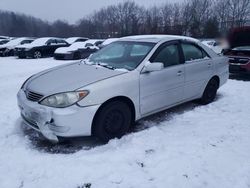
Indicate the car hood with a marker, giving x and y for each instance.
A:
(65, 50)
(28, 46)
(68, 78)
(239, 37)
(6, 46)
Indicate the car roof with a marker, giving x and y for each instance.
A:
(157, 38)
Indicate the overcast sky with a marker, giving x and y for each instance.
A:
(70, 10)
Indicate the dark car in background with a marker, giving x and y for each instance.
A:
(239, 51)
(72, 40)
(42, 47)
(78, 50)
(8, 48)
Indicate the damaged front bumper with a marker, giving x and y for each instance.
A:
(54, 122)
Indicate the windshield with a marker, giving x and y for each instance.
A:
(242, 48)
(40, 41)
(122, 55)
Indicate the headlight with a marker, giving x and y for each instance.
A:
(62, 100)
(27, 49)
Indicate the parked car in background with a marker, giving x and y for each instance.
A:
(42, 47)
(4, 41)
(8, 48)
(72, 40)
(239, 51)
(215, 45)
(107, 42)
(78, 50)
(129, 79)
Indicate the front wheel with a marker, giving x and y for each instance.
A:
(210, 92)
(37, 55)
(112, 121)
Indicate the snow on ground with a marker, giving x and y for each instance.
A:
(187, 146)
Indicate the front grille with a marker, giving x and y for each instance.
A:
(32, 96)
(238, 60)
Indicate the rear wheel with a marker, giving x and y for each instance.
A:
(37, 55)
(210, 92)
(112, 121)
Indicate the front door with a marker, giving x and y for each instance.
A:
(163, 88)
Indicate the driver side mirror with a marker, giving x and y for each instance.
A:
(151, 67)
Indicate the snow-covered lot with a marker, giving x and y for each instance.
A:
(187, 146)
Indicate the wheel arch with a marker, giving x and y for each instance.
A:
(124, 99)
(217, 78)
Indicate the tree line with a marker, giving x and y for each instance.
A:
(196, 18)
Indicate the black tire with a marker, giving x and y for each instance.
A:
(37, 54)
(112, 121)
(210, 92)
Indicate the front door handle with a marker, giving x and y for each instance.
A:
(179, 73)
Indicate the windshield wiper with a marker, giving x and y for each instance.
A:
(106, 66)
(87, 62)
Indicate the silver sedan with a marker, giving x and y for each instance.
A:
(127, 80)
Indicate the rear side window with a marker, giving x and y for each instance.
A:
(80, 40)
(60, 41)
(88, 45)
(192, 52)
(169, 56)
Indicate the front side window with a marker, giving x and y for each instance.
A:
(122, 54)
(26, 41)
(192, 52)
(51, 42)
(168, 55)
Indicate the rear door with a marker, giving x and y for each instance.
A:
(198, 69)
(163, 88)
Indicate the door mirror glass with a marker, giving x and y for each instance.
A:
(151, 67)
